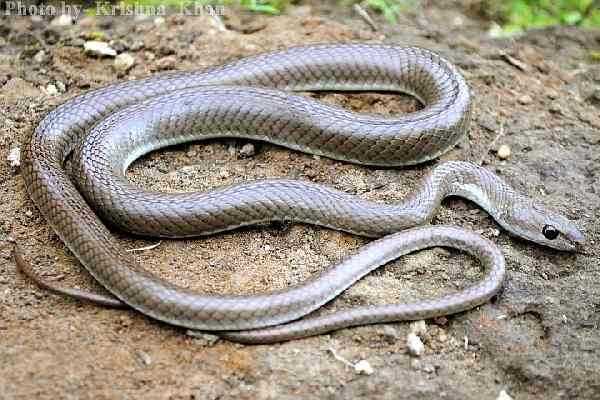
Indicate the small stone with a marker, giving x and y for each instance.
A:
(247, 150)
(136, 45)
(552, 94)
(60, 86)
(40, 57)
(97, 48)
(428, 368)
(363, 368)
(503, 152)
(166, 63)
(123, 62)
(125, 320)
(158, 21)
(62, 20)
(14, 157)
(191, 153)
(418, 327)
(525, 99)
(144, 358)
(503, 396)
(458, 21)
(555, 107)
(415, 345)
(203, 339)
(51, 89)
(224, 174)
(390, 334)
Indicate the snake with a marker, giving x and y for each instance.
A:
(76, 161)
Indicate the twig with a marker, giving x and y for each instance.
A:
(339, 358)
(218, 22)
(150, 247)
(365, 16)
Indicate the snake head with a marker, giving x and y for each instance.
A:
(533, 221)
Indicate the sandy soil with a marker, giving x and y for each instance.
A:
(539, 94)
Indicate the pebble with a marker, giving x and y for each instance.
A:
(555, 107)
(158, 21)
(60, 86)
(51, 89)
(166, 63)
(125, 320)
(39, 57)
(503, 152)
(428, 368)
(62, 20)
(144, 357)
(503, 396)
(552, 94)
(14, 157)
(418, 327)
(97, 48)
(136, 46)
(390, 334)
(123, 62)
(203, 339)
(363, 368)
(525, 99)
(247, 150)
(415, 345)
(223, 174)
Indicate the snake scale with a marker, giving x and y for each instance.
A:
(106, 129)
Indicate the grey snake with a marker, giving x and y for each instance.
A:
(106, 129)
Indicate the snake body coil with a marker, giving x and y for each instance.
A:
(108, 128)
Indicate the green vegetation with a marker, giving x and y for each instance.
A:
(267, 7)
(519, 15)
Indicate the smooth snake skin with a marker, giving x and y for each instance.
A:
(108, 128)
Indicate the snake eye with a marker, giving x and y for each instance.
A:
(550, 232)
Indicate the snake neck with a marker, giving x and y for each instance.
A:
(465, 180)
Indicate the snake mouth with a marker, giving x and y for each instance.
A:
(577, 240)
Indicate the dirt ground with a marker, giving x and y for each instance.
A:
(538, 339)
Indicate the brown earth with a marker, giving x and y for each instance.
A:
(538, 339)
